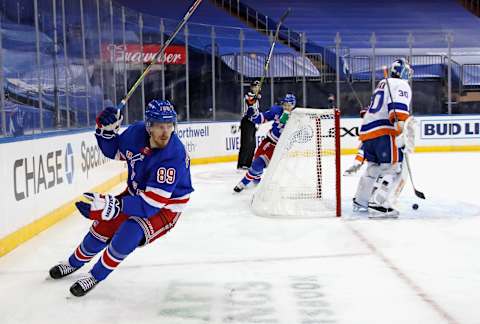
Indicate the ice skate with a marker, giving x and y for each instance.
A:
(239, 187)
(380, 212)
(62, 270)
(359, 208)
(82, 286)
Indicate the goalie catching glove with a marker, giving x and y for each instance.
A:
(100, 207)
(108, 122)
(406, 140)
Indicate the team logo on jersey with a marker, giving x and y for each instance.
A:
(187, 160)
(133, 158)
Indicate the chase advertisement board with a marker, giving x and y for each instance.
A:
(40, 175)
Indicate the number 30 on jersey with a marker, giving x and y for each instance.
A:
(166, 175)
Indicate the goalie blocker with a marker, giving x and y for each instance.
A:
(303, 178)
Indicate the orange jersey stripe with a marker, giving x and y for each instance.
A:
(401, 115)
(394, 149)
(377, 133)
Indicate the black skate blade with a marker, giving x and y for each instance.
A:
(419, 194)
(378, 212)
(77, 291)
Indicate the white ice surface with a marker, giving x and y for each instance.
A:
(222, 264)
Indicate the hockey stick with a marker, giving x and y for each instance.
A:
(349, 78)
(418, 193)
(180, 25)
(270, 52)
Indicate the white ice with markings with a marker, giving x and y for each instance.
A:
(222, 264)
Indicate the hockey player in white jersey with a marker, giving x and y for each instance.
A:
(383, 143)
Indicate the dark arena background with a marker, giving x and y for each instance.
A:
(81, 54)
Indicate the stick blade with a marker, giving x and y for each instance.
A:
(419, 194)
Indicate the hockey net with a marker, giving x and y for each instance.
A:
(303, 177)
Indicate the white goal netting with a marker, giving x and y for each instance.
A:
(302, 179)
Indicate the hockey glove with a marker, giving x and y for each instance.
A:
(108, 122)
(101, 207)
(251, 113)
(363, 111)
(406, 140)
(353, 169)
(405, 143)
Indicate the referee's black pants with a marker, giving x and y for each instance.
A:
(248, 143)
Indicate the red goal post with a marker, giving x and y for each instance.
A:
(303, 177)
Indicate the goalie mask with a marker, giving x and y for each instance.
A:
(401, 69)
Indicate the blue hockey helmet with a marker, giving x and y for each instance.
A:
(290, 98)
(401, 69)
(160, 111)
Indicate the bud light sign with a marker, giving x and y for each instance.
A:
(451, 128)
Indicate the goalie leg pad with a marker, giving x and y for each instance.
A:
(388, 185)
(366, 183)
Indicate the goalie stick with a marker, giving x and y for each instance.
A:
(349, 77)
(418, 193)
(270, 52)
(180, 25)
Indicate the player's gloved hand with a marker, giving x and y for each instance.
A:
(363, 111)
(108, 122)
(405, 143)
(252, 112)
(101, 207)
(353, 169)
(406, 139)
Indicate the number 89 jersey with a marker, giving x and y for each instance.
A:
(380, 117)
(157, 178)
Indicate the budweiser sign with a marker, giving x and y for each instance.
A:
(132, 53)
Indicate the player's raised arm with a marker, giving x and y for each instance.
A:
(263, 117)
(107, 126)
